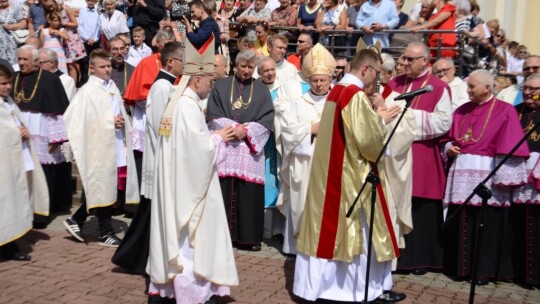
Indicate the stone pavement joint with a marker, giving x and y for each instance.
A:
(65, 271)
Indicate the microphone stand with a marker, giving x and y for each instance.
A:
(485, 194)
(374, 180)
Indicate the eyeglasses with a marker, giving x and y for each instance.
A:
(531, 89)
(45, 61)
(340, 67)
(410, 59)
(376, 71)
(442, 71)
(531, 68)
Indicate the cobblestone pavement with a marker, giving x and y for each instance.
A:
(65, 271)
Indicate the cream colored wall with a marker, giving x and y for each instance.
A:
(515, 17)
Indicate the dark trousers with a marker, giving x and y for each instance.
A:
(8, 250)
(104, 215)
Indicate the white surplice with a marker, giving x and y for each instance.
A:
(24, 188)
(398, 171)
(458, 87)
(190, 243)
(298, 146)
(98, 147)
(158, 97)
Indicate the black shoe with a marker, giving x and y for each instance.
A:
(255, 248)
(154, 299)
(109, 240)
(419, 271)
(20, 256)
(74, 229)
(482, 282)
(389, 296)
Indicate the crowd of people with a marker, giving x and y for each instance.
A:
(137, 96)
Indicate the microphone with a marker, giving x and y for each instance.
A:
(426, 89)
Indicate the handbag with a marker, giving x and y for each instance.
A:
(20, 36)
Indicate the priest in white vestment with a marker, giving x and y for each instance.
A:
(191, 256)
(24, 189)
(132, 254)
(445, 70)
(299, 128)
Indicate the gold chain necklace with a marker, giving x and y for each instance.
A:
(19, 96)
(469, 134)
(534, 136)
(239, 102)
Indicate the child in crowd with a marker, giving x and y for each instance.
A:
(52, 38)
(139, 49)
(89, 28)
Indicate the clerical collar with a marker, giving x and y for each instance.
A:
(421, 74)
(28, 74)
(349, 78)
(118, 66)
(244, 82)
(486, 101)
(317, 98)
(162, 70)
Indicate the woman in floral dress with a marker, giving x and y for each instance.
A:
(11, 18)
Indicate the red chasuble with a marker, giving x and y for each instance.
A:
(350, 137)
(142, 78)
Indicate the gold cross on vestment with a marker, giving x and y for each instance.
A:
(318, 57)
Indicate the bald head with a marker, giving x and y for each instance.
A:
(220, 66)
(531, 65)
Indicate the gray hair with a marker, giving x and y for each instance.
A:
(32, 49)
(463, 6)
(484, 77)
(164, 34)
(51, 55)
(423, 48)
(388, 63)
(263, 60)
(246, 55)
(109, 1)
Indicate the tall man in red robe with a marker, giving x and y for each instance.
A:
(483, 132)
(332, 249)
(433, 114)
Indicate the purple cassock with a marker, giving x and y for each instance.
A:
(428, 171)
(433, 116)
(485, 133)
